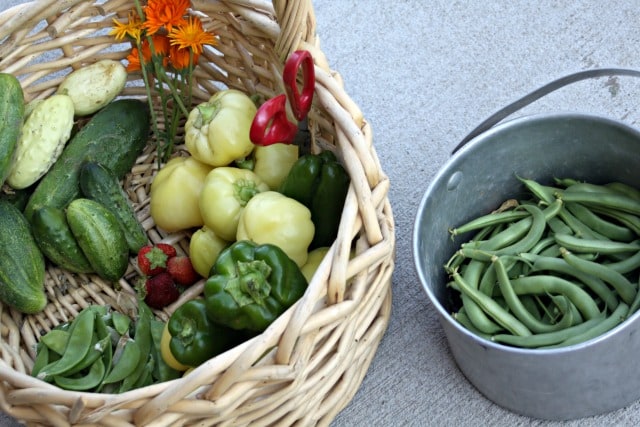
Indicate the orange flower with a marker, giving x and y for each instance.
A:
(131, 28)
(181, 58)
(192, 36)
(161, 48)
(164, 14)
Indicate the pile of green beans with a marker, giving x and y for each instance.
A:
(557, 267)
(105, 351)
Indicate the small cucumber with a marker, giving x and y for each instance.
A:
(100, 184)
(22, 265)
(94, 86)
(100, 237)
(115, 136)
(11, 116)
(56, 241)
(44, 135)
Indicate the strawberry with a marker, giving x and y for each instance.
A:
(160, 290)
(182, 271)
(152, 259)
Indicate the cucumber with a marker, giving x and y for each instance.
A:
(11, 116)
(115, 137)
(100, 237)
(22, 265)
(100, 184)
(56, 241)
(44, 135)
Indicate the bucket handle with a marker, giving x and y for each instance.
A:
(501, 114)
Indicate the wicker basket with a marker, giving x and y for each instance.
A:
(308, 364)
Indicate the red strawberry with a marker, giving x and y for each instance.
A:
(152, 259)
(182, 271)
(160, 290)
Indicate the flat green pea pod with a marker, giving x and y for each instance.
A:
(161, 371)
(142, 337)
(125, 360)
(78, 346)
(87, 382)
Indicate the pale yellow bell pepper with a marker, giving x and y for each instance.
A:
(175, 194)
(271, 217)
(204, 248)
(217, 131)
(272, 163)
(225, 193)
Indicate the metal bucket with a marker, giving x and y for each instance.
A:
(591, 378)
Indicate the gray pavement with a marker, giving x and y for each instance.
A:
(425, 74)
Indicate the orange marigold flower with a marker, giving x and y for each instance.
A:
(164, 14)
(131, 28)
(181, 58)
(161, 48)
(191, 36)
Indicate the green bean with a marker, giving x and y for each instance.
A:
(476, 315)
(542, 192)
(87, 382)
(579, 228)
(605, 325)
(564, 304)
(626, 265)
(587, 187)
(635, 304)
(559, 265)
(551, 251)
(77, 346)
(557, 225)
(625, 189)
(532, 237)
(546, 339)
(516, 307)
(584, 245)
(604, 199)
(488, 280)
(492, 308)
(607, 228)
(621, 284)
(462, 318)
(544, 284)
(488, 220)
(543, 244)
(628, 220)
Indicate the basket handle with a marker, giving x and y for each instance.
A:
(297, 23)
(529, 98)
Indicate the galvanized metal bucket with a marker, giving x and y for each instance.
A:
(591, 378)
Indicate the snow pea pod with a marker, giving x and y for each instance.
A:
(77, 347)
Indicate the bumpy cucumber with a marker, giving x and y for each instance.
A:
(11, 116)
(100, 237)
(100, 184)
(94, 86)
(115, 136)
(22, 265)
(44, 135)
(56, 241)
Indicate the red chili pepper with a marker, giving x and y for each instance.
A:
(271, 125)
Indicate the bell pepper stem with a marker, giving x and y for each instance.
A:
(250, 286)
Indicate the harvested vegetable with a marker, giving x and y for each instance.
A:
(552, 270)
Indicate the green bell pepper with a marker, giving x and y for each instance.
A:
(319, 182)
(251, 285)
(194, 338)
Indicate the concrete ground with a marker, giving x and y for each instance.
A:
(425, 74)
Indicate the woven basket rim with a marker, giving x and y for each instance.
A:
(310, 362)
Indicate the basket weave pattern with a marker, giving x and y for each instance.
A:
(309, 363)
